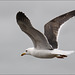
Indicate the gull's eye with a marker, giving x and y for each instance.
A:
(26, 50)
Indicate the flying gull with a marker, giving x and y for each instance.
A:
(45, 45)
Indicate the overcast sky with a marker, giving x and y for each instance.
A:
(13, 41)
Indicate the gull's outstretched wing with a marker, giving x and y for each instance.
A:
(39, 40)
(51, 28)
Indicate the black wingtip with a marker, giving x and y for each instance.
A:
(72, 12)
(20, 16)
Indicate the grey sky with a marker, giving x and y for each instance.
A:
(13, 41)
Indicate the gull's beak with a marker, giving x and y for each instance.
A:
(23, 54)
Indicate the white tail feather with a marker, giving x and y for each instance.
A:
(61, 52)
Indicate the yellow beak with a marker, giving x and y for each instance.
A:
(23, 54)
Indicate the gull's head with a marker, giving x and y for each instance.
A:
(27, 51)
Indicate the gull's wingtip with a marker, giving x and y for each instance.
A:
(20, 15)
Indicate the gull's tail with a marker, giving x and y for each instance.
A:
(61, 52)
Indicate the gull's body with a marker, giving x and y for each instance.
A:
(44, 45)
(40, 53)
(47, 53)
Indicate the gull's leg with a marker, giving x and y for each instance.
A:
(61, 56)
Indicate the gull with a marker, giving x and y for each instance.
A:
(45, 45)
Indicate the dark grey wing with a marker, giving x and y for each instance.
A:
(52, 27)
(39, 40)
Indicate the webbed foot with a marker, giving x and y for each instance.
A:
(61, 56)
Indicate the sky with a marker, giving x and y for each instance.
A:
(13, 41)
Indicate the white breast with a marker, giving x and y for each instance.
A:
(42, 53)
